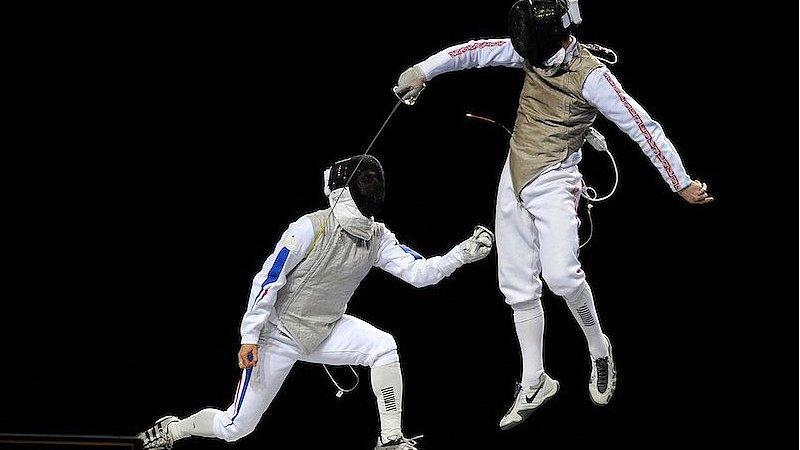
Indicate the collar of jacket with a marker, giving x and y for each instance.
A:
(349, 217)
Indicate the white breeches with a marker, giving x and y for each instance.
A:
(538, 236)
(352, 342)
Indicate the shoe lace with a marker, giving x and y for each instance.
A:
(407, 443)
(602, 373)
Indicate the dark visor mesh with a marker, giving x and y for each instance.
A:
(536, 28)
(520, 28)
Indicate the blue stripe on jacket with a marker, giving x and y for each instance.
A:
(411, 252)
(277, 267)
(274, 272)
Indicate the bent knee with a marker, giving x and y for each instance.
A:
(384, 350)
(236, 430)
(564, 279)
(233, 430)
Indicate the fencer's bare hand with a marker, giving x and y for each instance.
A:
(248, 356)
(696, 193)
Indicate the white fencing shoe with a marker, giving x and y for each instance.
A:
(527, 399)
(603, 380)
(397, 443)
(157, 437)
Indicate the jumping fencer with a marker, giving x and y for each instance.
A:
(565, 86)
(296, 309)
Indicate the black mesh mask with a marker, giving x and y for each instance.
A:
(537, 29)
(367, 186)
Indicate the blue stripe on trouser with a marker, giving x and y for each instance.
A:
(247, 373)
(272, 276)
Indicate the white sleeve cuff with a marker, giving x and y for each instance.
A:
(450, 262)
(251, 338)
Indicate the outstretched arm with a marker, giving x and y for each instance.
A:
(289, 251)
(480, 53)
(603, 91)
(413, 268)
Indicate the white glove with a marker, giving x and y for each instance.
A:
(477, 247)
(410, 85)
(412, 78)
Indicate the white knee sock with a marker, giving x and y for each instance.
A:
(530, 332)
(581, 304)
(387, 384)
(198, 424)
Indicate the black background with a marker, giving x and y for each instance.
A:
(162, 153)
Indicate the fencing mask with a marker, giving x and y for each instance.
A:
(538, 27)
(365, 174)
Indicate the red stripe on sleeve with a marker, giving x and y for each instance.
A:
(476, 46)
(649, 137)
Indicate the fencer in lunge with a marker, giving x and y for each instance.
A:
(536, 220)
(296, 309)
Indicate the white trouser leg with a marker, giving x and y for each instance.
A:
(257, 388)
(518, 271)
(518, 266)
(356, 342)
(552, 199)
(352, 341)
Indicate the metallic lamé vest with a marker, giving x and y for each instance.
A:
(317, 291)
(553, 118)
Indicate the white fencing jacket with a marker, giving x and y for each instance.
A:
(293, 247)
(601, 90)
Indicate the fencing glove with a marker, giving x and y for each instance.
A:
(477, 247)
(412, 78)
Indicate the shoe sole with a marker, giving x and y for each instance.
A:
(526, 413)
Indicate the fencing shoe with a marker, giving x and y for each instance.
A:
(527, 399)
(157, 437)
(603, 380)
(397, 443)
